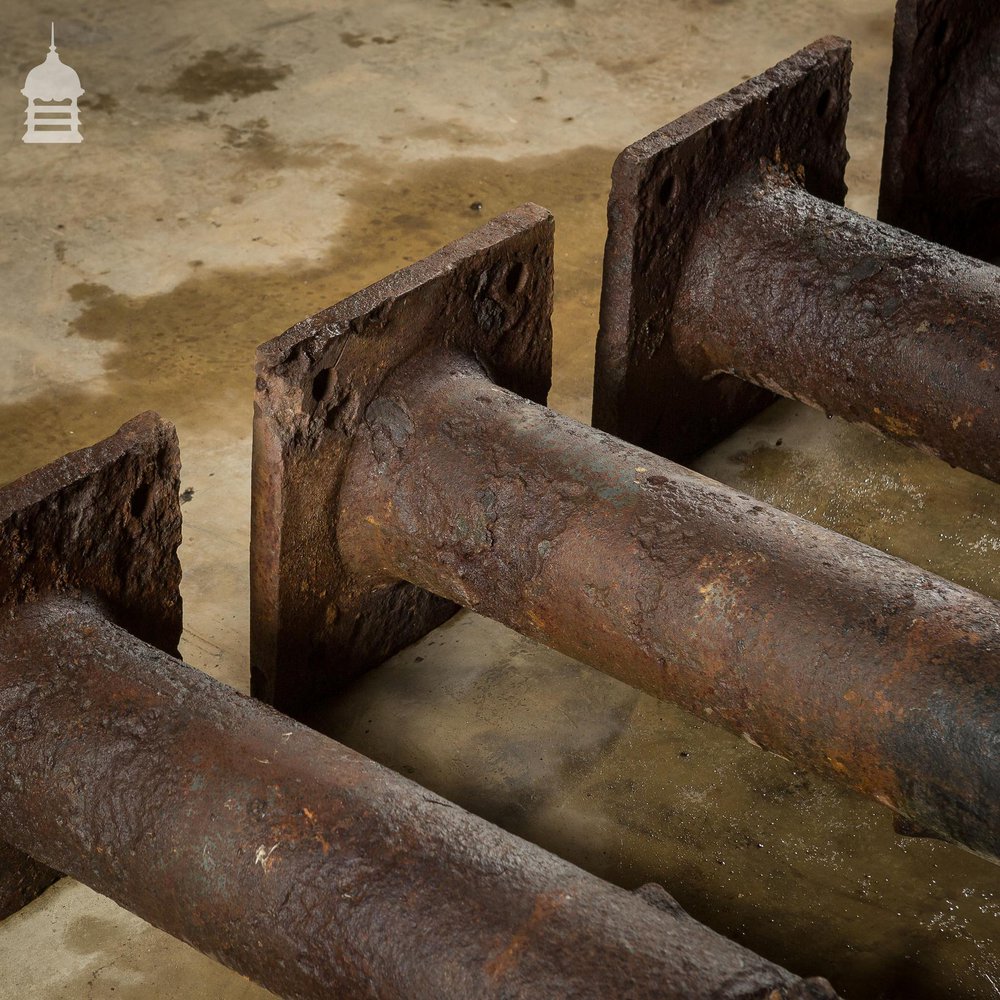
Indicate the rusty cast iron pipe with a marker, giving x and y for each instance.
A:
(867, 322)
(730, 266)
(817, 647)
(299, 863)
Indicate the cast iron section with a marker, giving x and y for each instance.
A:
(104, 522)
(662, 188)
(445, 482)
(750, 271)
(489, 294)
(939, 169)
(293, 860)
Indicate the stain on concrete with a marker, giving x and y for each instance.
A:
(628, 66)
(510, 4)
(355, 41)
(87, 934)
(262, 149)
(100, 101)
(234, 71)
(285, 21)
(455, 133)
(189, 352)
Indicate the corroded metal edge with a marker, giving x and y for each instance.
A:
(103, 522)
(662, 186)
(314, 627)
(939, 162)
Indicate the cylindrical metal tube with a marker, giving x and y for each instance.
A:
(850, 316)
(300, 863)
(815, 646)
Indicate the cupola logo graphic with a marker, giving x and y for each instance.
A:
(52, 90)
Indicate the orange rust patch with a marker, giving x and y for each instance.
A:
(544, 907)
(893, 425)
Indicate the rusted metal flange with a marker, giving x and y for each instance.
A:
(441, 481)
(757, 274)
(490, 295)
(103, 522)
(940, 177)
(662, 189)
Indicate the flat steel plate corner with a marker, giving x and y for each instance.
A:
(314, 626)
(939, 162)
(103, 522)
(793, 115)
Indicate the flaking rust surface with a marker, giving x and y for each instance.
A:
(103, 522)
(662, 187)
(851, 317)
(490, 294)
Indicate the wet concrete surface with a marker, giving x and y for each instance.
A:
(246, 165)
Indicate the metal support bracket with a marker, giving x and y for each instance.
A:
(488, 295)
(758, 276)
(662, 188)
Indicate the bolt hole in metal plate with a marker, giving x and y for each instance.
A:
(314, 627)
(662, 187)
(103, 522)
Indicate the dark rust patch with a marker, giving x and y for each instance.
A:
(314, 626)
(939, 167)
(104, 522)
(869, 323)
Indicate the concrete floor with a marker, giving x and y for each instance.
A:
(245, 164)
